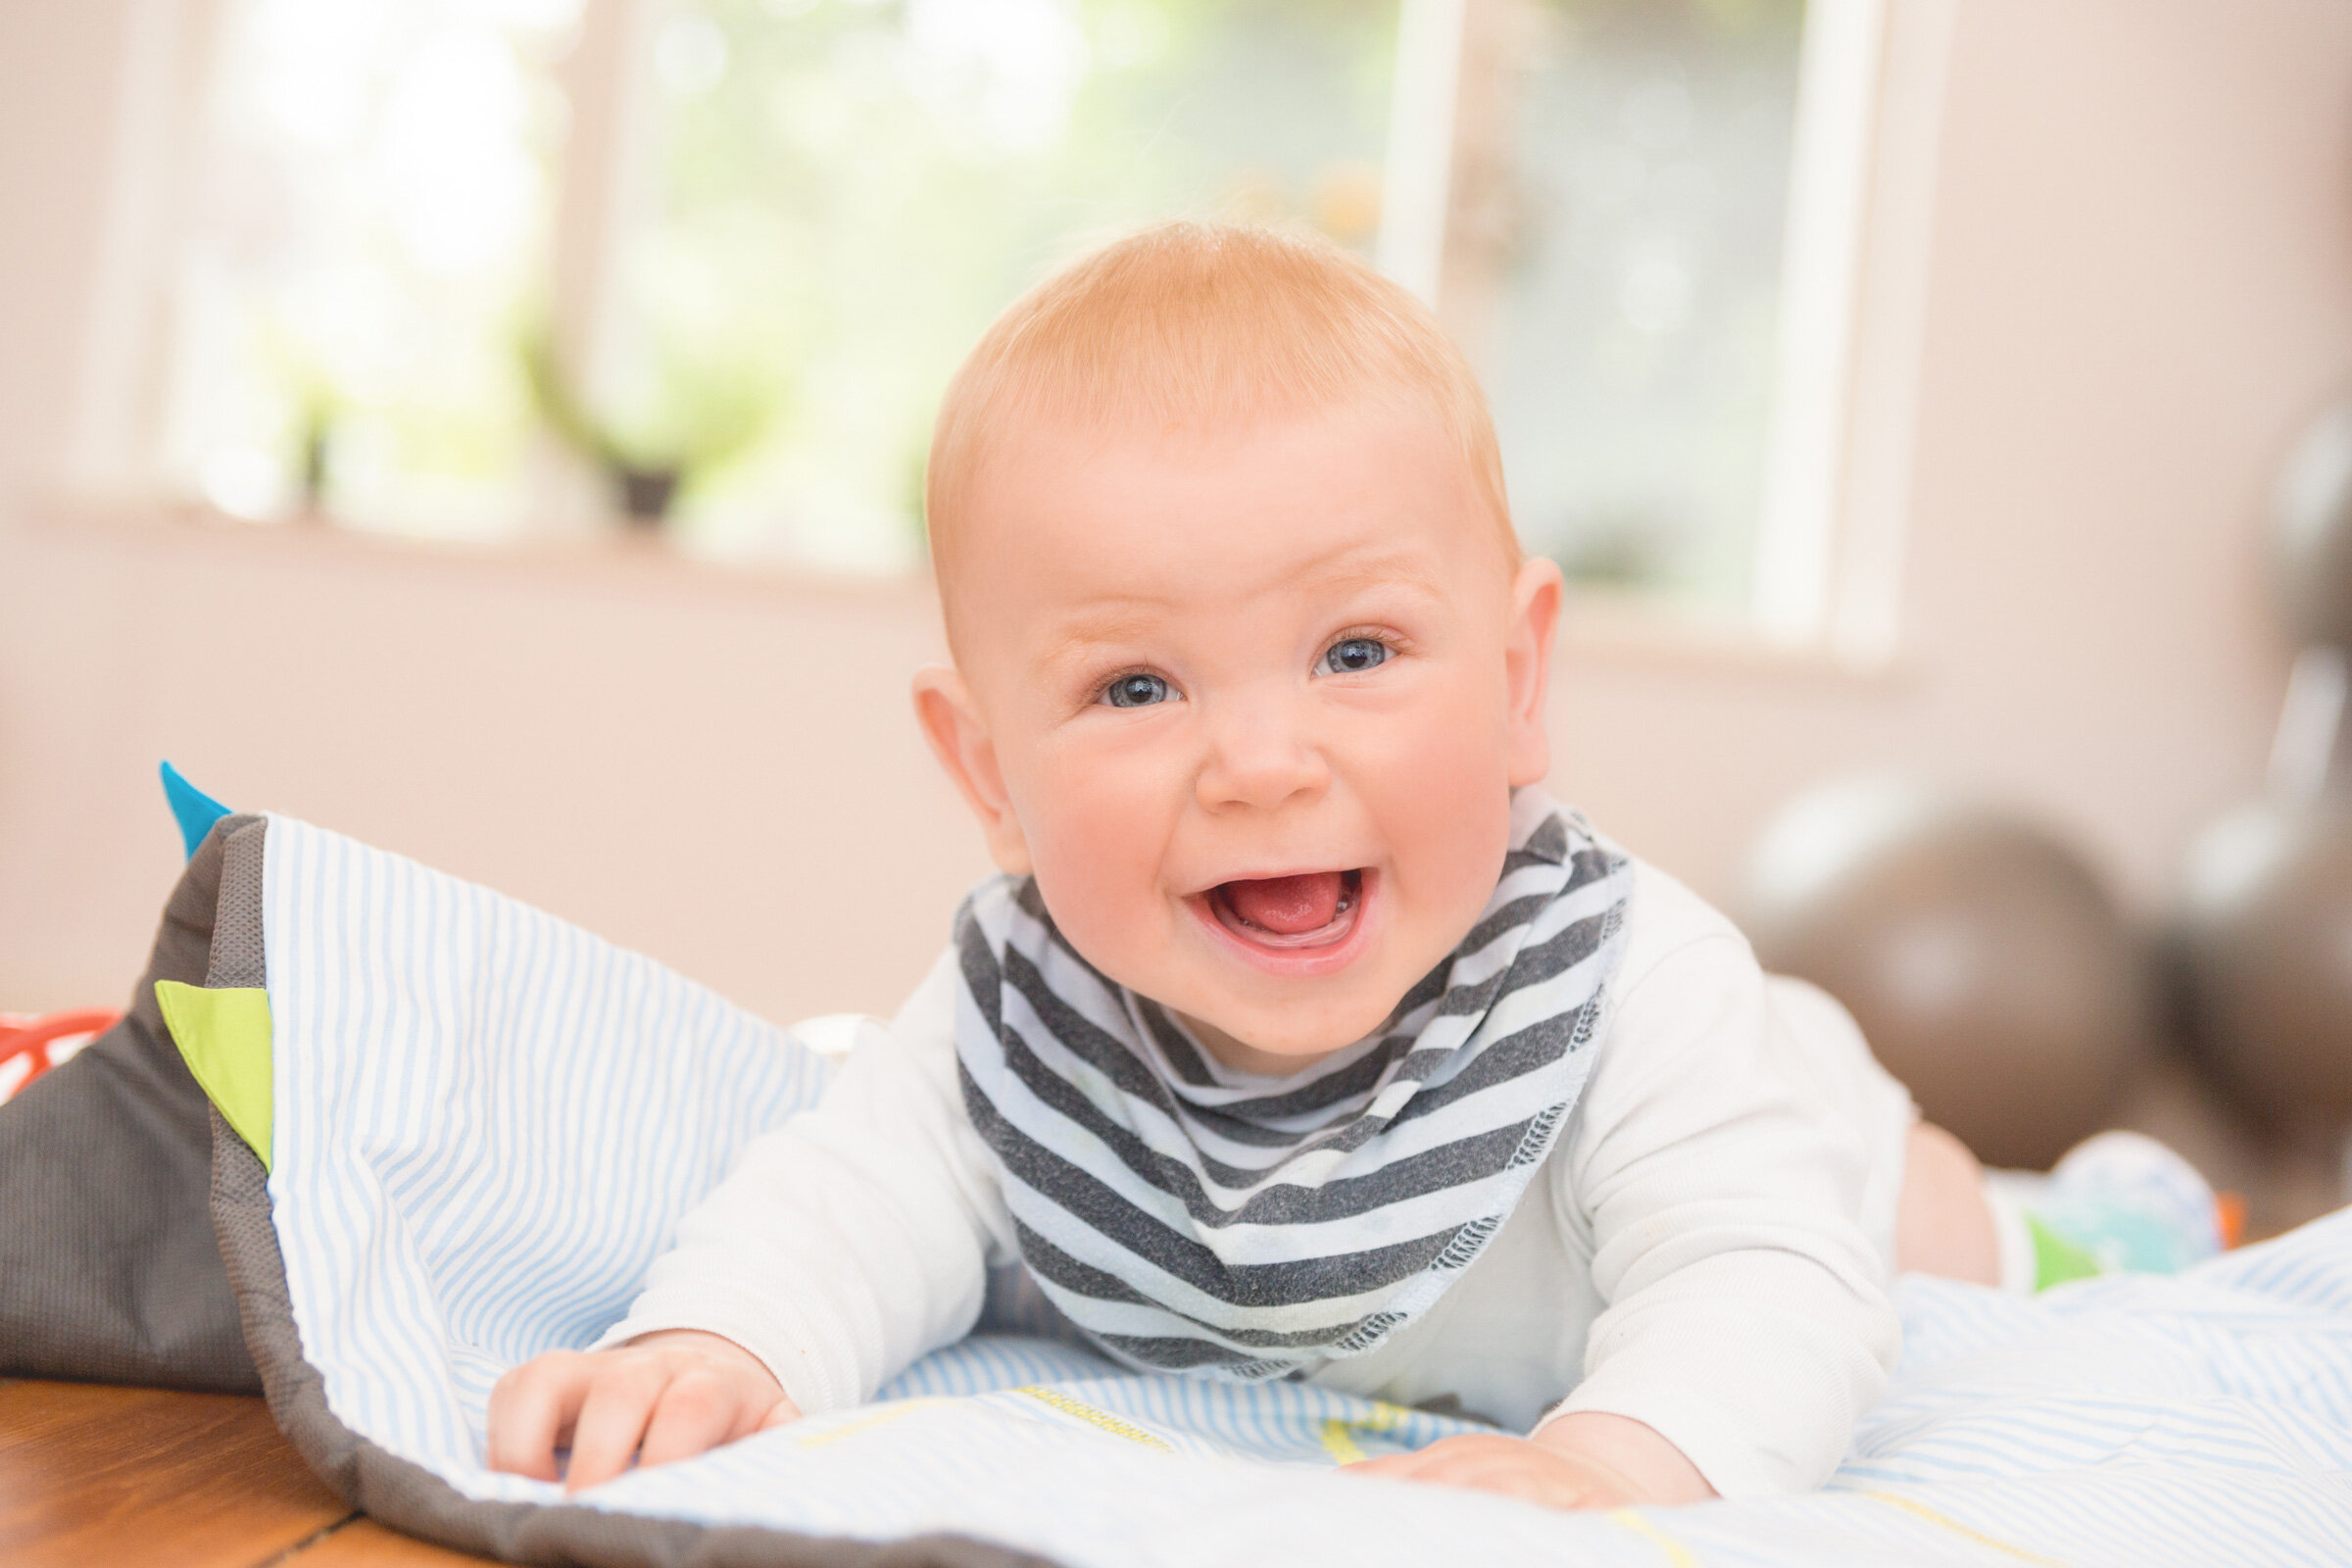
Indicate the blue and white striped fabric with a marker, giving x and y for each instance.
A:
(486, 1122)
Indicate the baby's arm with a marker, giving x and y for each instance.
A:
(1748, 1320)
(842, 1247)
(1747, 1328)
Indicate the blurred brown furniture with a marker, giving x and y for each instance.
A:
(122, 1478)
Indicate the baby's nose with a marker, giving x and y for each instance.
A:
(1257, 759)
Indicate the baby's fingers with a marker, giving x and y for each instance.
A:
(1440, 1461)
(1393, 1466)
(701, 1408)
(529, 1410)
(612, 1419)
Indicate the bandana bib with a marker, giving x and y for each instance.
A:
(1192, 1218)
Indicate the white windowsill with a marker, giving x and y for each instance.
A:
(611, 558)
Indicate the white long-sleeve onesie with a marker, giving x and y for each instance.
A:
(1703, 1251)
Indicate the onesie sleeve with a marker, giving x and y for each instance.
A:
(1745, 1315)
(855, 1237)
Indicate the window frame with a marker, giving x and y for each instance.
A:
(1830, 524)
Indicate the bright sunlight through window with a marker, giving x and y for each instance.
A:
(482, 268)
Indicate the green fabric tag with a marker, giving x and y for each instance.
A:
(225, 1035)
(2057, 1259)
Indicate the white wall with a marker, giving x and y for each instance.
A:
(2139, 281)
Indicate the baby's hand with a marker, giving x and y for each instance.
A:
(1583, 1460)
(661, 1396)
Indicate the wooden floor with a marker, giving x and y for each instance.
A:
(128, 1476)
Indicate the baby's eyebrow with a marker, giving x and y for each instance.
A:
(1116, 620)
(1092, 634)
(1410, 570)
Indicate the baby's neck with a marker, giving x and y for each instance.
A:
(1235, 1055)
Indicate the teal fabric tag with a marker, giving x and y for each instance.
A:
(195, 811)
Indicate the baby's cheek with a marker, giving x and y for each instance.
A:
(1444, 801)
(1095, 852)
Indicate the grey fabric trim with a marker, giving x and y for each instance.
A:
(106, 1266)
(239, 959)
(406, 1495)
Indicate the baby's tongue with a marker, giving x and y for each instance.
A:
(1286, 904)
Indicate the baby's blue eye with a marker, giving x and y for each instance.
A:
(1136, 691)
(1350, 655)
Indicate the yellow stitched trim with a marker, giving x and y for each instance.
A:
(1339, 1443)
(881, 1417)
(1093, 1417)
(1923, 1511)
(1339, 1437)
(1677, 1554)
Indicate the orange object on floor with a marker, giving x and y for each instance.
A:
(34, 1037)
(2229, 1215)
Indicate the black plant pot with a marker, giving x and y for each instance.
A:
(646, 493)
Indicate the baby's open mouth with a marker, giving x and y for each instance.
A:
(1311, 909)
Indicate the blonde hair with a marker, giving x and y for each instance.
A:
(1204, 325)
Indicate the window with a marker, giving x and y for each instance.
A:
(372, 199)
(1614, 262)
(438, 252)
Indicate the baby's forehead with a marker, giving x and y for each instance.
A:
(1126, 469)
(1148, 446)
(1322, 501)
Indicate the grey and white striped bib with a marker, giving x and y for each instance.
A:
(1191, 1218)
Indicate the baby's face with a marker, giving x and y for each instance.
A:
(1250, 706)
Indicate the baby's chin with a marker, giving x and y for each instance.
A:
(1274, 1042)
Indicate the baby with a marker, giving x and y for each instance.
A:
(1302, 1036)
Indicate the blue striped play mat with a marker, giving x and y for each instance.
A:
(486, 1120)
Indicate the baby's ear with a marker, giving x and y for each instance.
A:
(1527, 665)
(959, 739)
